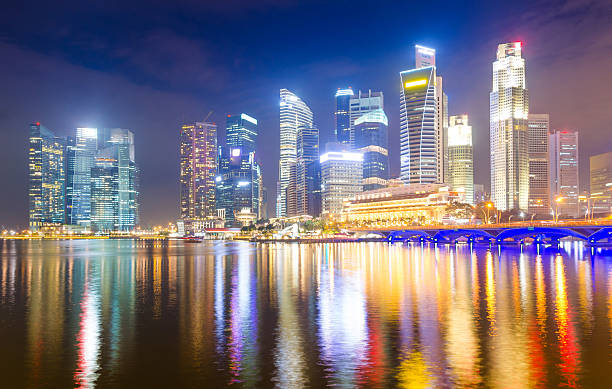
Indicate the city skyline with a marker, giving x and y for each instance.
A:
(165, 189)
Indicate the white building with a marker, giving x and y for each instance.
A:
(509, 109)
(294, 114)
(341, 176)
(564, 176)
(461, 156)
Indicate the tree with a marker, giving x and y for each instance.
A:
(458, 210)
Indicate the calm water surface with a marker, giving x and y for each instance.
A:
(132, 314)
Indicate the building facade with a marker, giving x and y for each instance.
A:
(461, 157)
(198, 169)
(564, 171)
(601, 184)
(80, 158)
(341, 176)
(538, 126)
(407, 204)
(241, 132)
(308, 174)
(294, 114)
(361, 104)
(509, 109)
(371, 139)
(342, 129)
(46, 163)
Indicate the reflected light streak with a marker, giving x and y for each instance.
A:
(88, 339)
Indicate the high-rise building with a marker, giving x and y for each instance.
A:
(241, 132)
(294, 114)
(564, 174)
(198, 169)
(423, 120)
(341, 176)
(343, 122)
(371, 139)
(480, 196)
(307, 173)
(601, 184)
(509, 109)
(46, 162)
(238, 185)
(359, 105)
(539, 183)
(80, 159)
(114, 187)
(461, 156)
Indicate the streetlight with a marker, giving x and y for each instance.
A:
(522, 215)
(558, 200)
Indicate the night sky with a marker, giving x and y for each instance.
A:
(148, 66)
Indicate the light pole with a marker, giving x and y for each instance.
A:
(558, 200)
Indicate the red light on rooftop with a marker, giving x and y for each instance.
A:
(228, 115)
(564, 132)
(38, 123)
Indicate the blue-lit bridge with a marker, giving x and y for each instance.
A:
(592, 233)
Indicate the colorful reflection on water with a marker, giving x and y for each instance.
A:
(131, 314)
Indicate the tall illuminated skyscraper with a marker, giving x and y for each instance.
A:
(308, 173)
(423, 119)
(198, 168)
(241, 132)
(80, 159)
(539, 183)
(343, 122)
(509, 110)
(46, 162)
(294, 114)
(600, 167)
(371, 139)
(564, 173)
(461, 156)
(361, 104)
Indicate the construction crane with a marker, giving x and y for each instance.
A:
(207, 116)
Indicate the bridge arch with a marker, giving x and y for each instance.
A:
(604, 233)
(450, 236)
(538, 233)
(403, 235)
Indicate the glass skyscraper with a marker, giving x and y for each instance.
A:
(46, 162)
(241, 132)
(343, 122)
(371, 139)
(461, 157)
(509, 110)
(308, 173)
(564, 172)
(539, 183)
(198, 169)
(80, 156)
(294, 114)
(360, 104)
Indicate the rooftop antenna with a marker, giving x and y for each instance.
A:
(207, 116)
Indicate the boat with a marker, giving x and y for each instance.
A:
(191, 239)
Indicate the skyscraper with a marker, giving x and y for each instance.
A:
(564, 173)
(461, 156)
(509, 111)
(241, 132)
(46, 162)
(371, 139)
(343, 123)
(308, 173)
(361, 104)
(539, 184)
(341, 176)
(294, 114)
(198, 168)
(601, 183)
(80, 159)
(114, 191)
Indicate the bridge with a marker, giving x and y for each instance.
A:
(593, 233)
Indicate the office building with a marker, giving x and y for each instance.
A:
(342, 130)
(423, 116)
(480, 196)
(46, 163)
(371, 139)
(601, 184)
(538, 126)
(564, 173)
(360, 104)
(509, 111)
(307, 174)
(198, 169)
(341, 176)
(80, 157)
(241, 132)
(461, 157)
(294, 114)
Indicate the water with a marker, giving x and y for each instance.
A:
(132, 314)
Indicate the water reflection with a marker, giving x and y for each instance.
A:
(121, 313)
